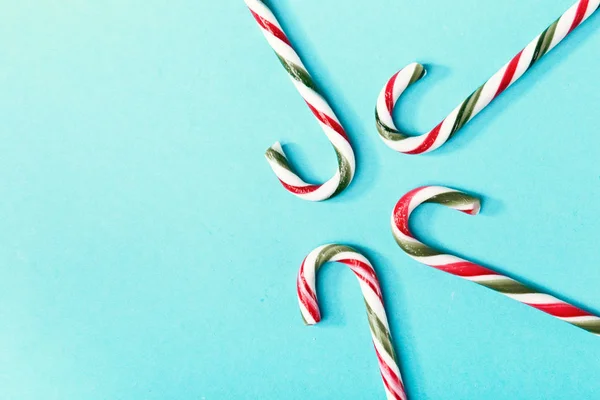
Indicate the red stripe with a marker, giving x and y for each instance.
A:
(330, 122)
(581, 9)
(390, 389)
(357, 267)
(470, 211)
(269, 27)
(509, 73)
(389, 93)
(401, 211)
(397, 381)
(306, 291)
(300, 189)
(311, 306)
(561, 310)
(465, 269)
(428, 142)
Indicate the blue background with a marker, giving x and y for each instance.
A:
(147, 251)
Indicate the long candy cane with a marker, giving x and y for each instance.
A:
(483, 96)
(380, 331)
(318, 106)
(470, 271)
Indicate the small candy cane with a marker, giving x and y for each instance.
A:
(476, 273)
(318, 106)
(483, 96)
(380, 331)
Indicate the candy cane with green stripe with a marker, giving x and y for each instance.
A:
(476, 273)
(369, 284)
(318, 106)
(483, 96)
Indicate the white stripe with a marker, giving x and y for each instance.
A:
(488, 278)
(403, 80)
(489, 91)
(525, 60)
(441, 259)
(307, 317)
(286, 175)
(425, 194)
(384, 116)
(400, 235)
(386, 357)
(592, 7)
(587, 318)
(373, 300)
(324, 191)
(291, 178)
(351, 255)
(283, 49)
(535, 298)
(261, 9)
(564, 24)
(310, 267)
(315, 100)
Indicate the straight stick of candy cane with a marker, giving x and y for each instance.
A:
(473, 272)
(369, 285)
(318, 106)
(483, 96)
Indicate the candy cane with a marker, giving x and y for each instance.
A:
(317, 105)
(483, 96)
(380, 331)
(470, 271)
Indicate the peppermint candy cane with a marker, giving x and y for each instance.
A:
(317, 105)
(476, 273)
(483, 96)
(380, 331)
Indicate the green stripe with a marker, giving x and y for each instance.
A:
(507, 286)
(416, 249)
(387, 132)
(453, 199)
(543, 43)
(466, 110)
(380, 332)
(418, 73)
(345, 172)
(298, 73)
(384, 130)
(590, 326)
(276, 156)
(343, 165)
(329, 252)
(303, 319)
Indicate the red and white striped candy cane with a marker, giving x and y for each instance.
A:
(369, 284)
(473, 272)
(483, 96)
(317, 105)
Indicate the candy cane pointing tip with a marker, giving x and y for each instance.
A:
(470, 271)
(479, 99)
(369, 284)
(318, 106)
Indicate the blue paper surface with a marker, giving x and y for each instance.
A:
(148, 252)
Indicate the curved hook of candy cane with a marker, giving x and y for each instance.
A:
(318, 106)
(369, 285)
(473, 272)
(481, 97)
